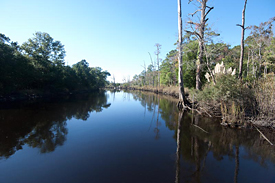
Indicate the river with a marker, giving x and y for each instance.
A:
(120, 136)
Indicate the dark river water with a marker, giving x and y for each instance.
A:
(121, 137)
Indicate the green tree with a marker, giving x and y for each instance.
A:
(168, 69)
(15, 72)
(190, 51)
(47, 56)
(44, 48)
(269, 55)
(262, 35)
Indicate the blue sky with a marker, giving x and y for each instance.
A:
(117, 35)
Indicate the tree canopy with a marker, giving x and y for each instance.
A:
(39, 64)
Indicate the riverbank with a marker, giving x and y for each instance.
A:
(24, 95)
(230, 114)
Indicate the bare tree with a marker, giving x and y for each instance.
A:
(124, 79)
(158, 60)
(153, 70)
(144, 67)
(129, 80)
(114, 80)
(200, 35)
(182, 100)
(242, 42)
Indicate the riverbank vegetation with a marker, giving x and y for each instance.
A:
(236, 99)
(38, 66)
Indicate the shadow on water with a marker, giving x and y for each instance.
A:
(42, 124)
(194, 144)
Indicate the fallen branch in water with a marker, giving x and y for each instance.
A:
(200, 128)
(193, 109)
(206, 112)
(263, 135)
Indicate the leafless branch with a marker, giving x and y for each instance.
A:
(192, 23)
(193, 33)
(206, 112)
(263, 135)
(210, 8)
(239, 25)
(200, 128)
(192, 14)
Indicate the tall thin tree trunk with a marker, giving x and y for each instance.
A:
(247, 65)
(260, 61)
(144, 66)
(200, 34)
(158, 60)
(253, 64)
(208, 67)
(180, 80)
(242, 42)
(201, 47)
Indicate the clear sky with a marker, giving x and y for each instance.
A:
(117, 35)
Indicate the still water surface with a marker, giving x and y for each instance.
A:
(117, 137)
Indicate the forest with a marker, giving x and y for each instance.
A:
(259, 59)
(236, 83)
(38, 66)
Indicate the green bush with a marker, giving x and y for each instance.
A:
(229, 98)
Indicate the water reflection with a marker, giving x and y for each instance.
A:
(141, 138)
(180, 119)
(194, 143)
(43, 124)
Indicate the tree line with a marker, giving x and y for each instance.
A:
(259, 58)
(199, 53)
(38, 64)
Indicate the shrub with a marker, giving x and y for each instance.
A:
(265, 97)
(228, 98)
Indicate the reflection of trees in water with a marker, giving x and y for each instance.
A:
(195, 144)
(47, 135)
(180, 119)
(152, 104)
(43, 124)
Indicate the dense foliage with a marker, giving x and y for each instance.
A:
(259, 58)
(251, 97)
(38, 64)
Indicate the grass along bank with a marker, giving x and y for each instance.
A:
(238, 103)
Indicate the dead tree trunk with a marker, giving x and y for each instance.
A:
(180, 79)
(201, 43)
(153, 70)
(260, 60)
(247, 65)
(242, 42)
(158, 60)
(144, 67)
(200, 35)
(208, 66)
